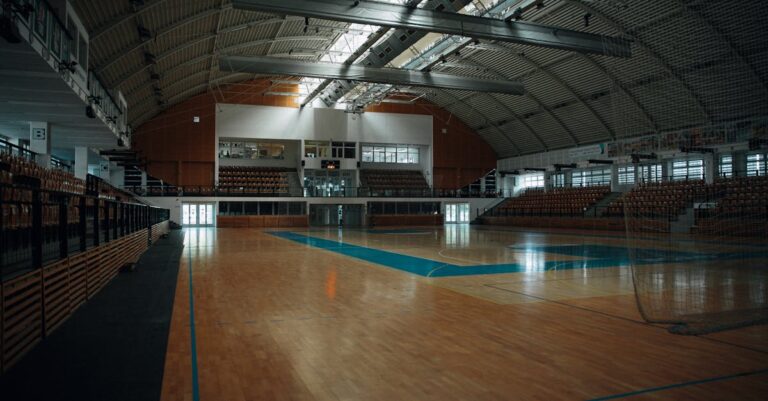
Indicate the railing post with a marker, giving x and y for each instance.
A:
(37, 230)
(63, 227)
(96, 222)
(81, 226)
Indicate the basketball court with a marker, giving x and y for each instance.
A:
(500, 314)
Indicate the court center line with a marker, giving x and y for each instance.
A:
(192, 336)
(682, 384)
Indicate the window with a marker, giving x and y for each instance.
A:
(533, 181)
(725, 168)
(367, 154)
(343, 150)
(590, 178)
(558, 180)
(651, 173)
(315, 149)
(683, 170)
(626, 175)
(756, 165)
(400, 154)
(250, 150)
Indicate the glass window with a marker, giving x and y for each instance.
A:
(756, 165)
(367, 154)
(533, 181)
(316, 149)
(401, 154)
(391, 154)
(413, 155)
(626, 175)
(378, 154)
(725, 168)
(651, 173)
(558, 180)
(688, 170)
(590, 178)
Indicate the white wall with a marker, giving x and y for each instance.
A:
(267, 122)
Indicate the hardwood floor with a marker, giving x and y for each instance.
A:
(278, 319)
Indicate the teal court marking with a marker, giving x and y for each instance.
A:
(678, 385)
(594, 256)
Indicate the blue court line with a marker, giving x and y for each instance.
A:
(593, 256)
(677, 385)
(193, 338)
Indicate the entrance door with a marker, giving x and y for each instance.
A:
(197, 214)
(457, 213)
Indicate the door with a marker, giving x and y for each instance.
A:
(197, 214)
(456, 213)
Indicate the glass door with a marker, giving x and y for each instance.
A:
(457, 213)
(194, 214)
(450, 213)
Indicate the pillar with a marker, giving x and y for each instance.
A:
(81, 162)
(40, 142)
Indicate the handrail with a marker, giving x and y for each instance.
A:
(350, 192)
(40, 226)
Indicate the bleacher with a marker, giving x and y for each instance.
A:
(50, 179)
(61, 240)
(740, 208)
(555, 202)
(393, 179)
(665, 200)
(257, 180)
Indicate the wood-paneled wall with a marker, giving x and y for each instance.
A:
(182, 152)
(460, 155)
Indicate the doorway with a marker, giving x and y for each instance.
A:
(197, 214)
(336, 215)
(457, 213)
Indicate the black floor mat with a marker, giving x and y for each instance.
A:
(113, 347)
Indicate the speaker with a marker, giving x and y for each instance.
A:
(303, 163)
(8, 30)
(90, 112)
(358, 164)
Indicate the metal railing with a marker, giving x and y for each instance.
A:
(361, 192)
(38, 226)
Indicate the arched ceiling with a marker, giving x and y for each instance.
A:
(694, 63)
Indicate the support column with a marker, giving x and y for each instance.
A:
(104, 170)
(709, 168)
(81, 162)
(40, 142)
(615, 178)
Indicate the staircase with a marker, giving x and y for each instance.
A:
(599, 208)
(491, 207)
(294, 185)
(684, 222)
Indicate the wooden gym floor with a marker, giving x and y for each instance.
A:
(454, 313)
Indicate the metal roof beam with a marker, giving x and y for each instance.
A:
(193, 42)
(398, 16)
(275, 66)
